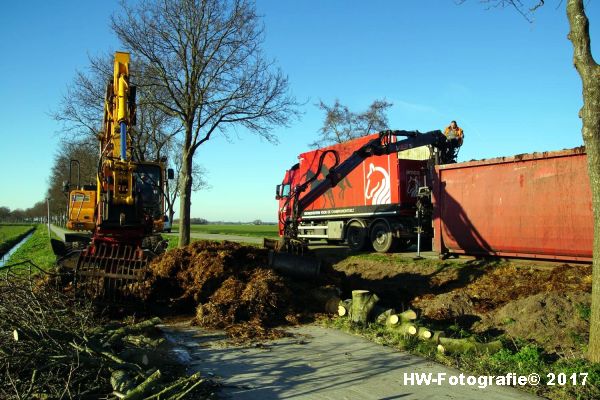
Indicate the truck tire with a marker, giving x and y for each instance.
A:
(356, 236)
(381, 237)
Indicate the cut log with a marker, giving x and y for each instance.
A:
(363, 303)
(437, 335)
(121, 381)
(405, 328)
(383, 316)
(407, 316)
(424, 333)
(449, 345)
(140, 391)
(175, 389)
(143, 341)
(324, 299)
(134, 329)
(344, 308)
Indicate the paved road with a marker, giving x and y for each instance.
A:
(317, 363)
(218, 236)
(58, 231)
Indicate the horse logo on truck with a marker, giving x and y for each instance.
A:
(377, 186)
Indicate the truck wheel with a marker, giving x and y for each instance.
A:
(381, 237)
(356, 236)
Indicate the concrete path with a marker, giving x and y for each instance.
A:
(318, 363)
(58, 231)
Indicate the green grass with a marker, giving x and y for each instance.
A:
(241, 230)
(11, 235)
(174, 241)
(37, 249)
(518, 357)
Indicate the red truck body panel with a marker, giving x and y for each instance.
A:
(381, 185)
(534, 205)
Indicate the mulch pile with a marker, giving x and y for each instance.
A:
(230, 286)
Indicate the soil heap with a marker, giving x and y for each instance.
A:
(538, 304)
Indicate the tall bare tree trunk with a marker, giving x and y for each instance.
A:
(185, 197)
(589, 71)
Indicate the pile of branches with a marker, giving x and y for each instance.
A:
(53, 346)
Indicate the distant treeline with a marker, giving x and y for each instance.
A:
(37, 213)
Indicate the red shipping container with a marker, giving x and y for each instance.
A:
(535, 205)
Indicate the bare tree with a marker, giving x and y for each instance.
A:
(589, 72)
(341, 124)
(208, 71)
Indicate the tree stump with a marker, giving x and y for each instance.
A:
(363, 303)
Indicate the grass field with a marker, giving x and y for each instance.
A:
(241, 230)
(37, 249)
(11, 235)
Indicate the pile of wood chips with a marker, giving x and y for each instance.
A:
(229, 285)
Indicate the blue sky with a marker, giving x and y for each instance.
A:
(511, 85)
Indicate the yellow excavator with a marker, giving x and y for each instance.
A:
(117, 221)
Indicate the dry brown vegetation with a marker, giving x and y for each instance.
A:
(231, 288)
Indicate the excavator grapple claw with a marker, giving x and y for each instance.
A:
(110, 272)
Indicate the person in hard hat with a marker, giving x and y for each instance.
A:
(454, 136)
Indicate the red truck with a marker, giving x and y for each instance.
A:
(369, 198)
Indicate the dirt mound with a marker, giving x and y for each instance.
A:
(556, 320)
(228, 283)
(509, 283)
(446, 306)
(500, 286)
